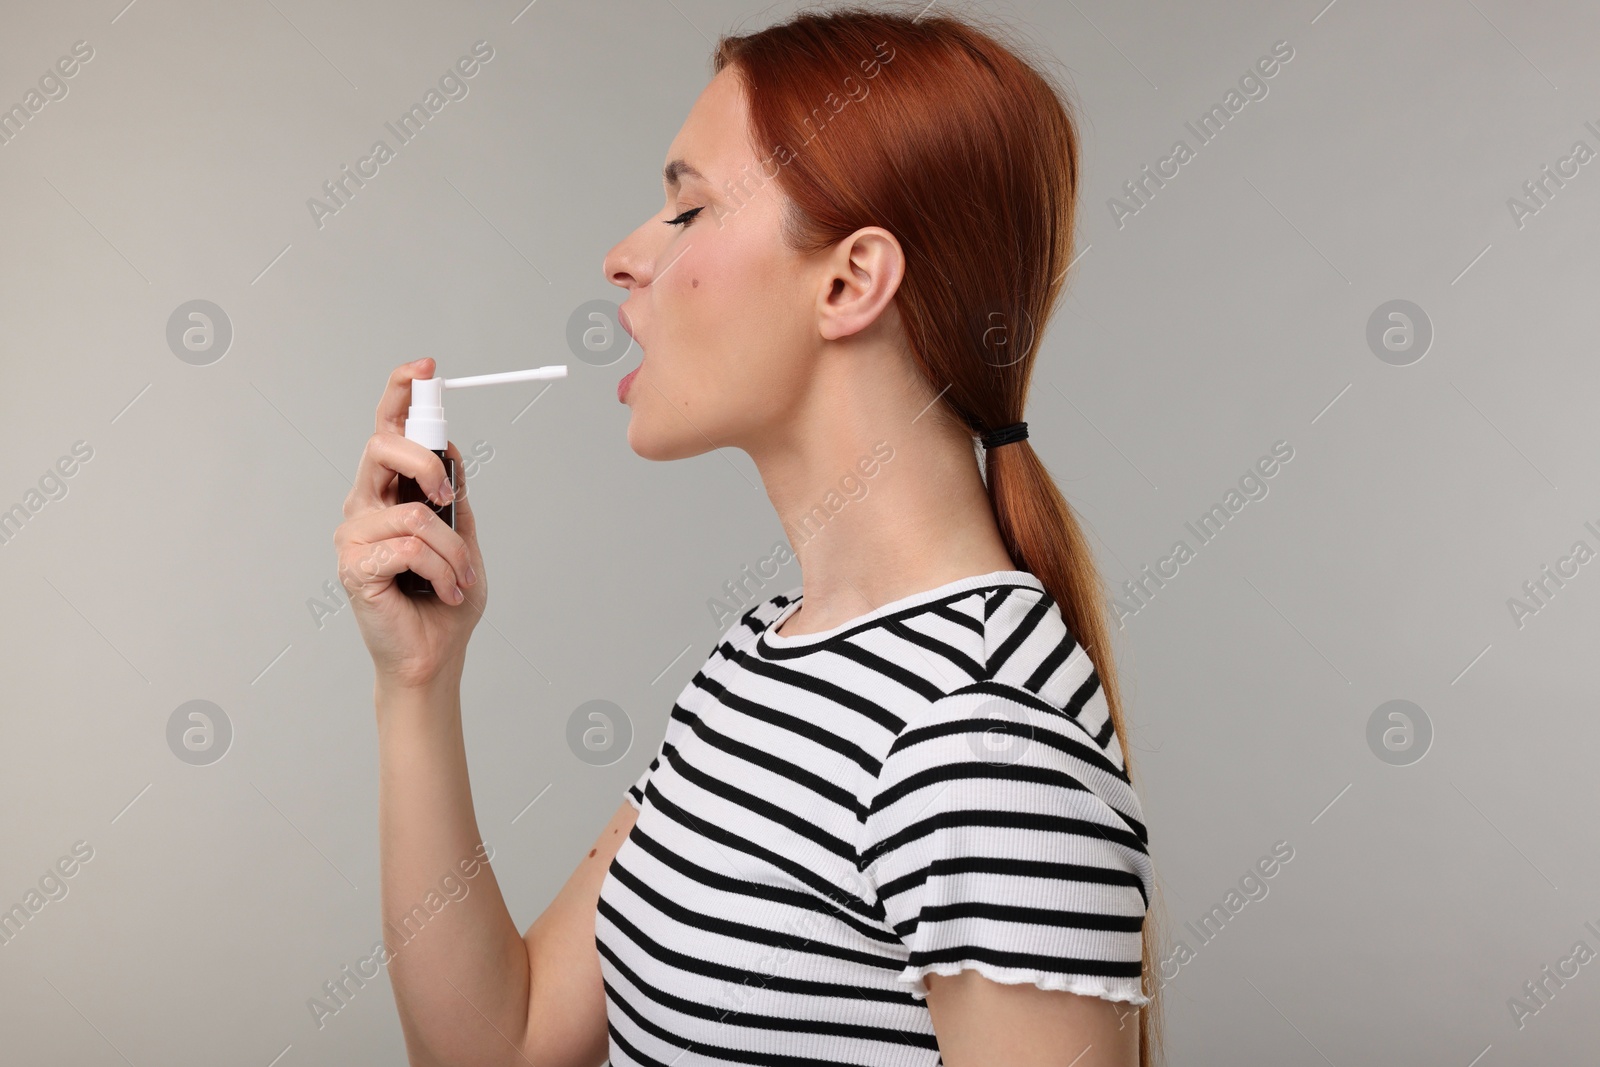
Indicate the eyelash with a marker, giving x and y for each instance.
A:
(683, 219)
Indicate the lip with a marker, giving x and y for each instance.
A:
(627, 380)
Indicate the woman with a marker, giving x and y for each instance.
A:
(891, 820)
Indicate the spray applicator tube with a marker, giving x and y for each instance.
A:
(425, 424)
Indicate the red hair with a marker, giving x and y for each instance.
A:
(966, 151)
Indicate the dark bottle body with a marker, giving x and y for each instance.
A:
(410, 582)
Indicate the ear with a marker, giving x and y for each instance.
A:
(860, 276)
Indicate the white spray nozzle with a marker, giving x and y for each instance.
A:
(534, 375)
(425, 422)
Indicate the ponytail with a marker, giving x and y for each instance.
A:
(1044, 537)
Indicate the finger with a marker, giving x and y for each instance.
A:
(377, 563)
(386, 455)
(400, 521)
(466, 522)
(396, 400)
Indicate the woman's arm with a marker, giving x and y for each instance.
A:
(469, 988)
(979, 1022)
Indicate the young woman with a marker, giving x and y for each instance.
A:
(891, 822)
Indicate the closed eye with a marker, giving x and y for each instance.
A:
(683, 219)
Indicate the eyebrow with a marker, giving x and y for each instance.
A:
(672, 171)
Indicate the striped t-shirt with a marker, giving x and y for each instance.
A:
(932, 786)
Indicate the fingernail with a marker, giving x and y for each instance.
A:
(446, 492)
(472, 575)
(460, 596)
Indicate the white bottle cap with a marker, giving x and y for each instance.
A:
(425, 423)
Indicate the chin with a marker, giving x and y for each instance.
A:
(651, 441)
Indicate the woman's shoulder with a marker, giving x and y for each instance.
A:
(1032, 659)
(1035, 712)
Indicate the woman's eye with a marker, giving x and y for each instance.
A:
(683, 219)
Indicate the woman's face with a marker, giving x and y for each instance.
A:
(725, 314)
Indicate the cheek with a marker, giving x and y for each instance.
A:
(733, 323)
(714, 307)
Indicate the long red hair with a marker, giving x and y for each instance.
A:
(965, 149)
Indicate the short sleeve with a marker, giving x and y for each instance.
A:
(1003, 838)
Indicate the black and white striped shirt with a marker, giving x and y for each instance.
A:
(933, 786)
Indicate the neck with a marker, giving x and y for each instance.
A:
(880, 495)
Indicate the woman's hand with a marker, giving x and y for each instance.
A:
(413, 640)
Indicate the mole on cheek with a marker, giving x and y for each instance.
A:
(592, 851)
(695, 283)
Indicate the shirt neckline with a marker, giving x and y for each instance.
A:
(770, 638)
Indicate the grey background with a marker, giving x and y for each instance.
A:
(1228, 314)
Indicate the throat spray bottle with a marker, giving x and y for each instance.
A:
(425, 424)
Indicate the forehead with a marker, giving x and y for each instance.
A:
(714, 138)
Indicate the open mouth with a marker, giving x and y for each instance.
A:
(627, 379)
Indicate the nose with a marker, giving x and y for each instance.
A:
(630, 263)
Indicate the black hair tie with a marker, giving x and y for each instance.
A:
(1005, 435)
